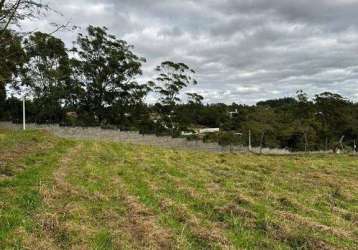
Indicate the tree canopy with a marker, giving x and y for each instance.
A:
(98, 83)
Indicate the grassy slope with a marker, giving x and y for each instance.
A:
(61, 194)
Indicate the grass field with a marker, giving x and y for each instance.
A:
(64, 194)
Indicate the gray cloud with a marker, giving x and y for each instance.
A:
(243, 50)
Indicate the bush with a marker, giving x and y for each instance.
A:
(211, 137)
(226, 138)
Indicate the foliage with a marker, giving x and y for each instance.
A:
(45, 74)
(96, 84)
(173, 77)
(11, 50)
(12, 57)
(105, 72)
(13, 11)
(195, 99)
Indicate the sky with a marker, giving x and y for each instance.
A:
(243, 51)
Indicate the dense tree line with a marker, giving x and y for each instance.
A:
(95, 83)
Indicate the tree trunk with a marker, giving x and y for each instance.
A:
(306, 141)
(341, 142)
(2, 99)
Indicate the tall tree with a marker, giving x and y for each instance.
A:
(106, 71)
(195, 99)
(11, 12)
(46, 73)
(11, 59)
(173, 77)
(334, 113)
(305, 118)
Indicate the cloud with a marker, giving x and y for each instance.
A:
(243, 50)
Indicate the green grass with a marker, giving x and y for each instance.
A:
(99, 195)
(19, 192)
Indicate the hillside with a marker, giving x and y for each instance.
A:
(66, 194)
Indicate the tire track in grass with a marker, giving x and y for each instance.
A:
(179, 196)
(20, 195)
(197, 231)
(140, 221)
(273, 228)
(65, 202)
(84, 213)
(191, 206)
(49, 222)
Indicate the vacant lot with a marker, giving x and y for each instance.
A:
(64, 194)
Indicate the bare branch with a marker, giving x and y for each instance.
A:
(11, 17)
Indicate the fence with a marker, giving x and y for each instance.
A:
(136, 138)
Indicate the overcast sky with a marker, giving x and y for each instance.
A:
(243, 50)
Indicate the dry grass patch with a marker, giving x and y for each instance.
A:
(14, 147)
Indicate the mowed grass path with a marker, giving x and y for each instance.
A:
(64, 194)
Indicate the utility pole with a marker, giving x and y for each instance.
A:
(354, 147)
(23, 114)
(249, 139)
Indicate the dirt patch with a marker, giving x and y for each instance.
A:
(212, 234)
(29, 240)
(10, 157)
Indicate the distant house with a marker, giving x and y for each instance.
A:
(233, 113)
(200, 131)
(183, 133)
(208, 130)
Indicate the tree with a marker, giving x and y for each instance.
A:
(12, 57)
(281, 102)
(195, 99)
(173, 77)
(11, 12)
(188, 114)
(305, 117)
(335, 116)
(105, 72)
(262, 122)
(46, 73)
